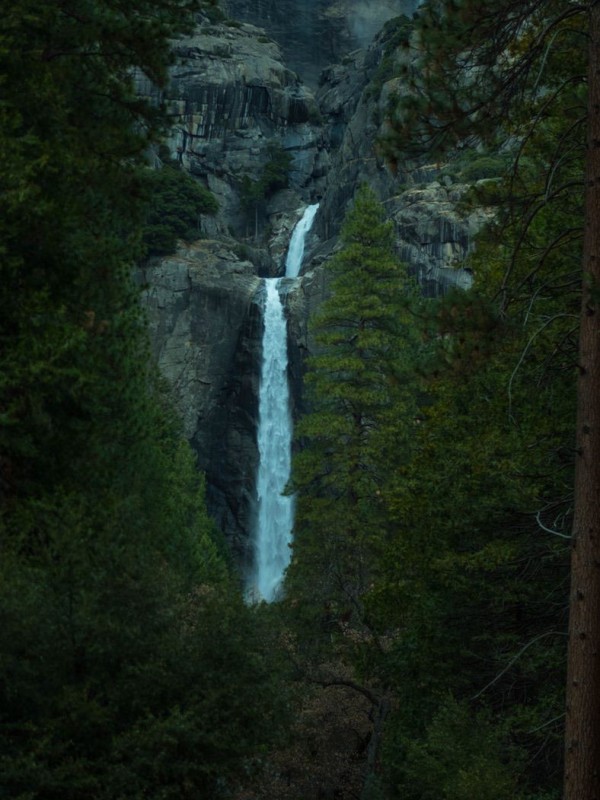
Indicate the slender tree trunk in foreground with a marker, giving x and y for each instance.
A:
(582, 737)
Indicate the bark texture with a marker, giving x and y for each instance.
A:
(582, 742)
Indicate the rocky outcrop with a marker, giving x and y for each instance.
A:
(203, 309)
(434, 234)
(232, 100)
(232, 97)
(316, 33)
(302, 297)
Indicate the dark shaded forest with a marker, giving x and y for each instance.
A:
(446, 467)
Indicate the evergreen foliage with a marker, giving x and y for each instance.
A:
(356, 382)
(475, 586)
(461, 621)
(434, 473)
(174, 207)
(427, 476)
(120, 674)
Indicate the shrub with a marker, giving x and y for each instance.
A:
(483, 167)
(175, 202)
(214, 14)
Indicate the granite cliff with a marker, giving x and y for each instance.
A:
(233, 100)
(203, 307)
(316, 33)
(234, 97)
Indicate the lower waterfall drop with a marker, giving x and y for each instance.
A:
(275, 510)
(275, 517)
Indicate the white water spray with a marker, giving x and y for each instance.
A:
(275, 517)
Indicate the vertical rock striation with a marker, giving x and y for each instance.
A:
(232, 97)
(205, 327)
(231, 100)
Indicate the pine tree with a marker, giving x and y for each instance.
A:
(120, 675)
(358, 379)
(503, 71)
(472, 590)
(360, 389)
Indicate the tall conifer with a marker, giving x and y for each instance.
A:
(357, 381)
(501, 71)
(117, 651)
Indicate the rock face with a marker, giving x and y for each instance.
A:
(232, 101)
(433, 235)
(316, 33)
(232, 98)
(203, 308)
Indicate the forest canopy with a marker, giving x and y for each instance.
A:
(117, 607)
(446, 457)
(445, 583)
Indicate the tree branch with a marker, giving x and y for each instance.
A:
(515, 658)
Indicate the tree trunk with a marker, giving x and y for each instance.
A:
(582, 736)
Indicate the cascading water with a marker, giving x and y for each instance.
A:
(275, 517)
(275, 510)
(293, 262)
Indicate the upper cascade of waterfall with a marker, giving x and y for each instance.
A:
(293, 262)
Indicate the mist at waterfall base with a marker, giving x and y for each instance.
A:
(275, 517)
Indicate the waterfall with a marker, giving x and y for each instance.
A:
(275, 510)
(293, 262)
(275, 518)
